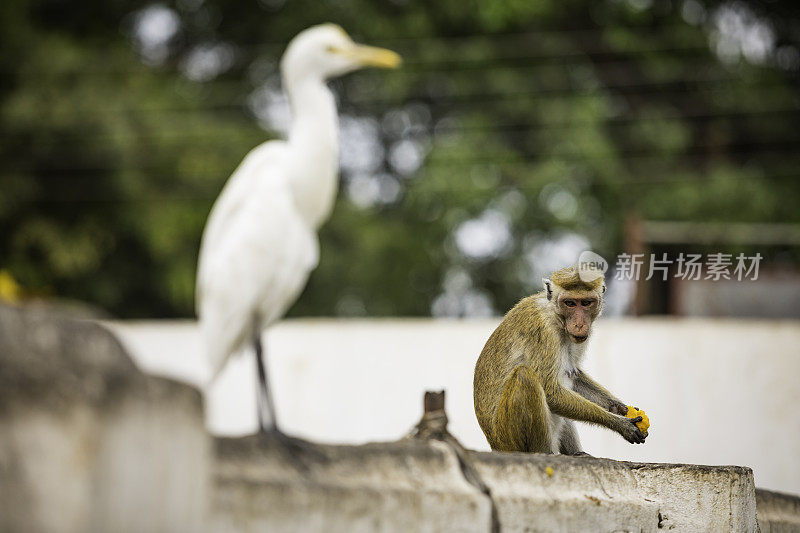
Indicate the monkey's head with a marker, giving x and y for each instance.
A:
(576, 302)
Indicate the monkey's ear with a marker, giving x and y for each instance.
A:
(603, 288)
(548, 286)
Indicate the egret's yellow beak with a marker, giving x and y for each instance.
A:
(371, 56)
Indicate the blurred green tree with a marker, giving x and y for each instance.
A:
(514, 130)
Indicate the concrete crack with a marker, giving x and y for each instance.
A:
(599, 481)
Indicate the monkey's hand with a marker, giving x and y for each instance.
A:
(627, 428)
(618, 408)
(633, 412)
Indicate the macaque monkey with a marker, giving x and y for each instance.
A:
(528, 386)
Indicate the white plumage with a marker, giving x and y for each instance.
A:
(256, 255)
(260, 241)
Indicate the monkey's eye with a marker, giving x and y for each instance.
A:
(570, 303)
(587, 303)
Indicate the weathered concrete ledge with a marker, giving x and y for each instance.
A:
(261, 485)
(561, 493)
(89, 443)
(418, 485)
(778, 512)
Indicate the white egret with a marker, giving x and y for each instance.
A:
(260, 241)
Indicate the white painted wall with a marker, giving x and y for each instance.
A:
(716, 391)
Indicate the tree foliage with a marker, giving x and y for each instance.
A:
(513, 127)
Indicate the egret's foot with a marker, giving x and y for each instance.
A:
(301, 453)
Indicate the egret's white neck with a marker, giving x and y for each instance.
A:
(314, 148)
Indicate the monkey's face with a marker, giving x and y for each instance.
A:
(575, 302)
(579, 311)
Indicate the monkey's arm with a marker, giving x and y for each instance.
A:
(594, 392)
(568, 403)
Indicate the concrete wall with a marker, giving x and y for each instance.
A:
(400, 486)
(588, 494)
(777, 513)
(414, 485)
(716, 391)
(87, 442)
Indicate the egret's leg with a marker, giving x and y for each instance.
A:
(265, 405)
(299, 451)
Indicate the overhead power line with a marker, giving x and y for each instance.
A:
(533, 184)
(712, 89)
(697, 152)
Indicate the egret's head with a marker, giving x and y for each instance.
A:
(326, 51)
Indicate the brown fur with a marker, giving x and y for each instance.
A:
(569, 280)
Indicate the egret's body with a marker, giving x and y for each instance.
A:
(260, 242)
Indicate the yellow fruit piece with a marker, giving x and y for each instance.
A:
(644, 425)
(549, 471)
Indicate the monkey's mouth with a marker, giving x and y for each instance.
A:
(580, 338)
